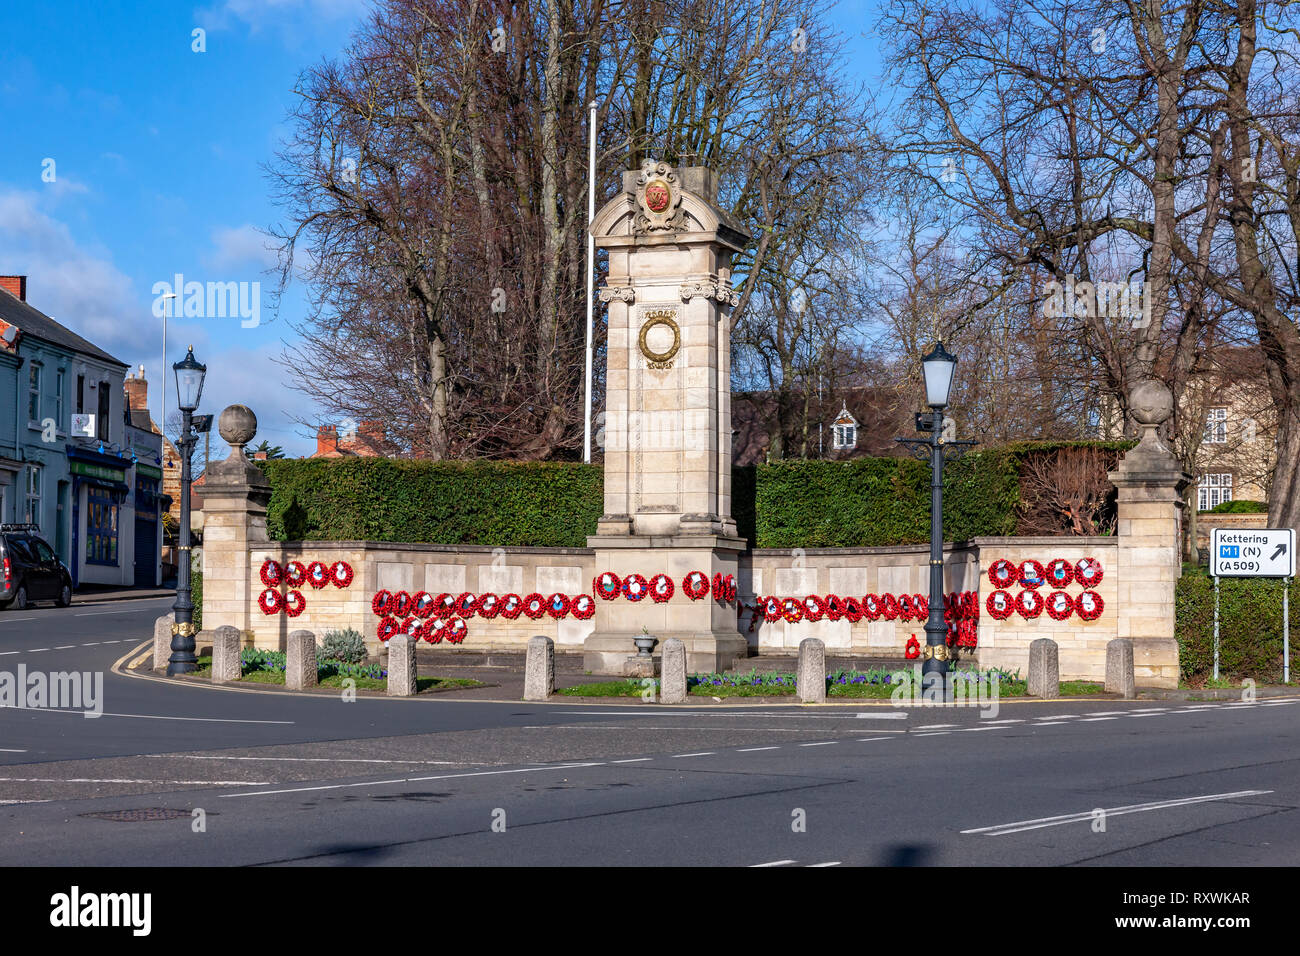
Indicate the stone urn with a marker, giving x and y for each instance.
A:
(645, 643)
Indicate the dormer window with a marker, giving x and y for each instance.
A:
(844, 430)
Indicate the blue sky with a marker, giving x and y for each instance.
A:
(157, 153)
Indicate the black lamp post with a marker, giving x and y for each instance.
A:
(189, 388)
(939, 367)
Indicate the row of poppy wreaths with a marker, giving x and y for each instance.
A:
(1029, 573)
(423, 605)
(1059, 605)
(432, 630)
(293, 575)
(957, 606)
(696, 586)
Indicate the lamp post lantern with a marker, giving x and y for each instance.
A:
(189, 389)
(938, 367)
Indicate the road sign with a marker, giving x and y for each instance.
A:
(1252, 553)
(83, 425)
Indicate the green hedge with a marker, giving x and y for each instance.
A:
(383, 499)
(1239, 506)
(863, 502)
(1250, 627)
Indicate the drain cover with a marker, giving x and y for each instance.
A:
(138, 816)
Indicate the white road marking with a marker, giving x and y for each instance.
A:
(37, 650)
(5, 653)
(773, 863)
(718, 714)
(1106, 713)
(1019, 826)
(750, 750)
(8, 802)
(702, 753)
(1049, 723)
(208, 720)
(15, 620)
(833, 863)
(382, 783)
(934, 733)
(1150, 710)
(824, 743)
(8, 750)
(306, 759)
(1278, 703)
(963, 730)
(203, 783)
(91, 644)
(1088, 720)
(633, 760)
(95, 613)
(1059, 717)
(867, 740)
(64, 647)
(935, 727)
(991, 723)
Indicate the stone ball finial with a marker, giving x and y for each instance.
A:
(237, 425)
(1151, 402)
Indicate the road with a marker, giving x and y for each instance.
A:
(285, 779)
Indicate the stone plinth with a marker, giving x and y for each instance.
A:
(1119, 668)
(539, 669)
(226, 646)
(1044, 669)
(300, 660)
(672, 686)
(1150, 483)
(639, 666)
(811, 683)
(235, 496)
(401, 666)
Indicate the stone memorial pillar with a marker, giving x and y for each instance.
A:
(1151, 483)
(668, 413)
(235, 496)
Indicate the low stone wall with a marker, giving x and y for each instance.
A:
(846, 572)
(794, 573)
(1081, 644)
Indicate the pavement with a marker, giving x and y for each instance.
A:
(306, 780)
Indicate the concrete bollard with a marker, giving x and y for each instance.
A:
(1119, 668)
(300, 661)
(812, 671)
(539, 668)
(162, 642)
(1044, 669)
(226, 645)
(401, 666)
(672, 667)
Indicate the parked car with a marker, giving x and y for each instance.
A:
(29, 569)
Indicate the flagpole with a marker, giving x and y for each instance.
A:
(591, 277)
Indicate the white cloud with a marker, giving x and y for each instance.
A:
(242, 246)
(77, 285)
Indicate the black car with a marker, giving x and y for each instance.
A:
(29, 569)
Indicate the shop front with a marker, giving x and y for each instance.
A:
(103, 531)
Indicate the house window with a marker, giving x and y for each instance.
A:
(101, 421)
(1213, 490)
(32, 494)
(81, 394)
(844, 436)
(101, 526)
(59, 378)
(34, 375)
(1216, 426)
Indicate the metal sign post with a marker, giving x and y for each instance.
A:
(1286, 632)
(1216, 627)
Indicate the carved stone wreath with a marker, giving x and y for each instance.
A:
(658, 198)
(664, 359)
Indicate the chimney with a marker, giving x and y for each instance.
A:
(259, 456)
(137, 391)
(369, 439)
(327, 440)
(15, 286)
